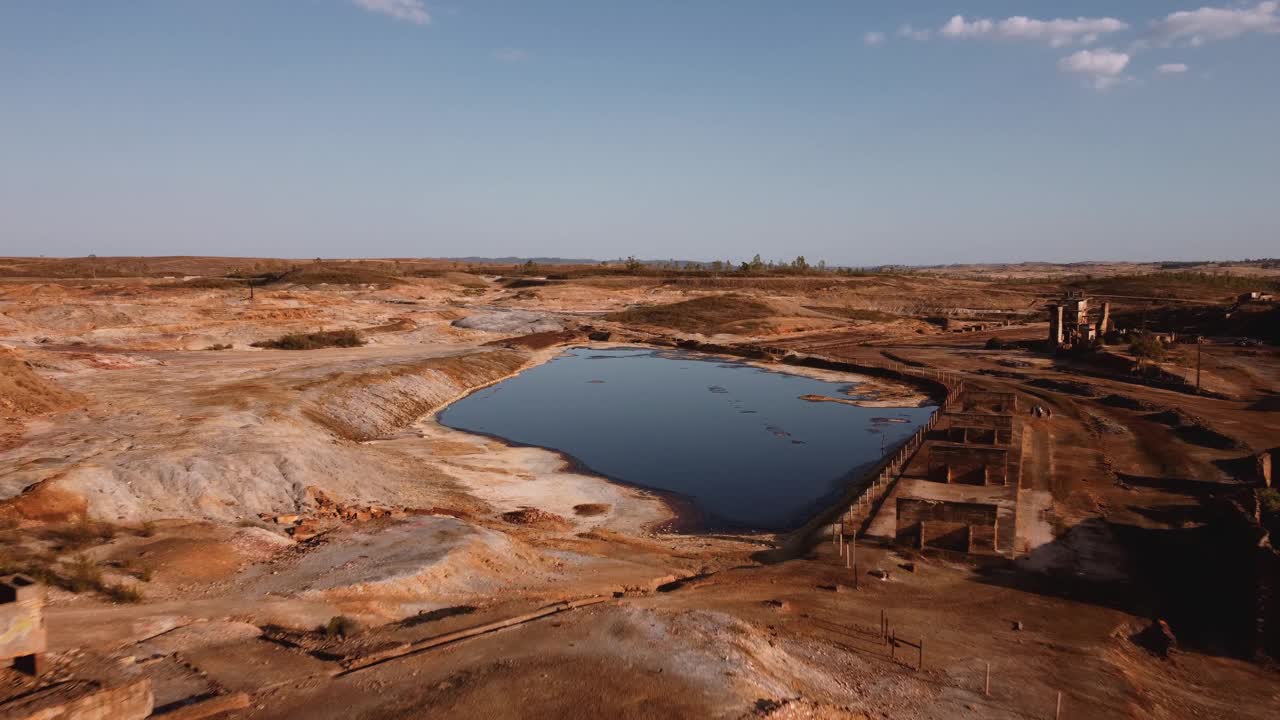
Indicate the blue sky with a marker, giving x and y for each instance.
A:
(859, 132)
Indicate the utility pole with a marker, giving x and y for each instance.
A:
(1199, 352)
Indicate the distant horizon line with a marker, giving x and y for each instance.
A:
(555, 260)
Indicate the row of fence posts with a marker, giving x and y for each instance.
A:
(889, 636)
(861, 508)
(862, 505)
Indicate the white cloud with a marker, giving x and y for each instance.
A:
(1196, 27)
(408, 10)
(874, 39)
(1104, 68)
(1058, 32)
(510, 55)
(957, 27)
(1172, 68)
(911, 33)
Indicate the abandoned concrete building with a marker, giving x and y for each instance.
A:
(980, 428)
(1070, 323)
(965, 498)
(969, 464)
(988, 403)
(966, 527)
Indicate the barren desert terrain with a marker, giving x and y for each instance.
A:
(229, 477)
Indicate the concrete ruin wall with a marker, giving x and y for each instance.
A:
(983, 420)
(958, 526)
(969, 464)
(85, 700)
(978, 435)
(22, 629)
(1002, 403)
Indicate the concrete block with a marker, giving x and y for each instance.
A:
(83, 700)
(22, 629)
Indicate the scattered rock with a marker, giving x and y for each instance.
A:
(516, 321)
(1157, 638)
(533, 517)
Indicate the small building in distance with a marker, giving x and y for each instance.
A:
(1256, 296)
(1071, 324)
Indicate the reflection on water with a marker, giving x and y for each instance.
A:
(736, 440)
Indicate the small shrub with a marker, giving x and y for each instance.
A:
(313, 341)
(1270, 499)
(996, 343)
(1146, 346)
(219, 346)
(82, 575)
(138, 572)
(146, 529)
(124, 594)
(82, 534)
(340, 626)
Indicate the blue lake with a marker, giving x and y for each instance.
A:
(735, 440)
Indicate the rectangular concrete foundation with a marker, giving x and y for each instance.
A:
(978, 435)
(969, 464)
(939, 524)
(984, 401)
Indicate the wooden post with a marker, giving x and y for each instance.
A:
(893, 646)
(920, 656)
(853, 554)
(1057, 714)
(986, 686)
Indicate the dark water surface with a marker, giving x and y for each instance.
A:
(734, 439)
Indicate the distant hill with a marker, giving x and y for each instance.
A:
(522, 260)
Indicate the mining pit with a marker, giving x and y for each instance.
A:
(419, 488)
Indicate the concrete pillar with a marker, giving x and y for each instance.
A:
(1055, 325)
